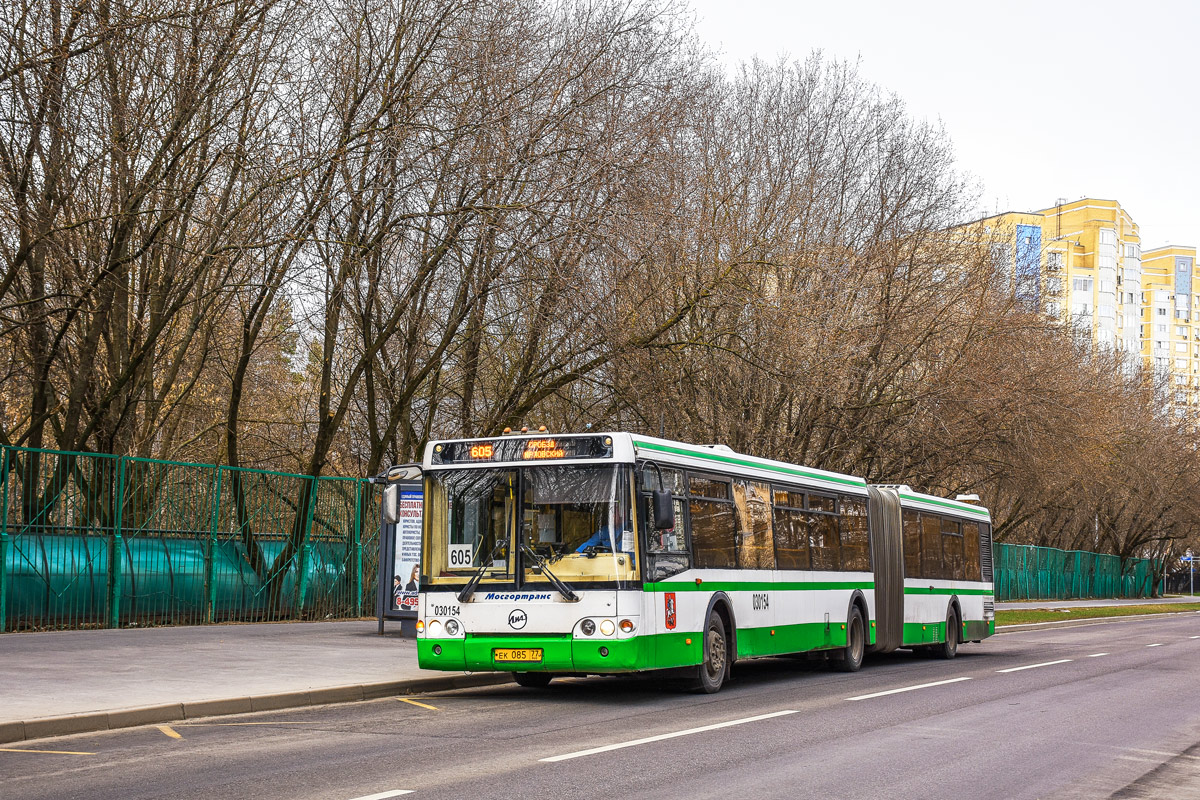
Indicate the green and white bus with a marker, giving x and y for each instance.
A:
(600, 554)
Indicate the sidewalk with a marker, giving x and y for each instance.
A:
(72, 681)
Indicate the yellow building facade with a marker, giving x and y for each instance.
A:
(1082, 262)
(1169, 324)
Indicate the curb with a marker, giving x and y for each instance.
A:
(21, 731)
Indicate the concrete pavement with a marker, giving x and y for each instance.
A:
(60, 682)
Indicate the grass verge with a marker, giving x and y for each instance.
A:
(1050, 614)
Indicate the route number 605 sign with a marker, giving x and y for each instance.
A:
(460, 556)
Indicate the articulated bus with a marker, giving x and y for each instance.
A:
(600, 554)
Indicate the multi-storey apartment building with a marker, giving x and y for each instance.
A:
(1082, 262)
(1172, 332)
(1095, 246)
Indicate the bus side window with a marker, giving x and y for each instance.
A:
(952, 547)
(912, 544)
(790, 525)
(856, 554)
(664, 541)
(931, 546)
(823, 541)
(712, 523)
(755, 548)
(971, 551)
(821, 502)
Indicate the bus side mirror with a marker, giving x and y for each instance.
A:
(664, 510)
(391, 504)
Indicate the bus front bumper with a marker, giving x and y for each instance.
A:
(478, 653)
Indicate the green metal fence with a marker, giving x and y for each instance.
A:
(1024, 572)
(96, 540)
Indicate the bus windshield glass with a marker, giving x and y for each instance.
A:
(575, 518)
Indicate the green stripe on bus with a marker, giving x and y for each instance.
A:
(940, 590)
(477, 652)
(948, 504)
(754, 586)
(742, 462)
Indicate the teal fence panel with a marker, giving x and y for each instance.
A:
(1025, 572)
(89, 540)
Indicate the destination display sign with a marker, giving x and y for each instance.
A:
(511, 448)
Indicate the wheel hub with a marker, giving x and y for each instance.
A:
(716, 653)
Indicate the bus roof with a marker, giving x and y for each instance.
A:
(929, 502)
(628, 447)
(714, 457)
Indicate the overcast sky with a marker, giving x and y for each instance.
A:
(1042, 100)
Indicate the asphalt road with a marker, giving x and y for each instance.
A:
(1108, 709)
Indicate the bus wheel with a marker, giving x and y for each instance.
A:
(710, 675)
(532, 680)
(949, 648)
(856, 643)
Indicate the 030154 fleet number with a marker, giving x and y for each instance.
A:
(761, 602)
(444, 611)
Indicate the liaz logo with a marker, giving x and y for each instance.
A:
(517, 619)
(669, 600)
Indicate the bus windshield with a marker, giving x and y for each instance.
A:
(575, 518)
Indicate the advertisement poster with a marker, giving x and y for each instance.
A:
(407, 552)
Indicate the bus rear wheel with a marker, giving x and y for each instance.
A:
(856, 643)
(533, 680)
(710, 675)
(949, 648)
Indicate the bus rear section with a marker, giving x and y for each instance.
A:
(943, 551)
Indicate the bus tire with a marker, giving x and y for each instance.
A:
(714, 666)
(856, 643)
(533, 680)
(949, 648)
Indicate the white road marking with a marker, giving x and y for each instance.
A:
(384, 795)
(1155, 645)
(606, 748)
(1166, 753)
(1035, 666)
(1194, 637)
(907, 689)
(1097, 655)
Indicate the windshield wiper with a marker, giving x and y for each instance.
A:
(563, 589)
(468, 590)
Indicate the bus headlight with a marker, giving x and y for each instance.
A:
(588, 627)
(607, 627)
(626, 626)
(452, 627)
(434, 627)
